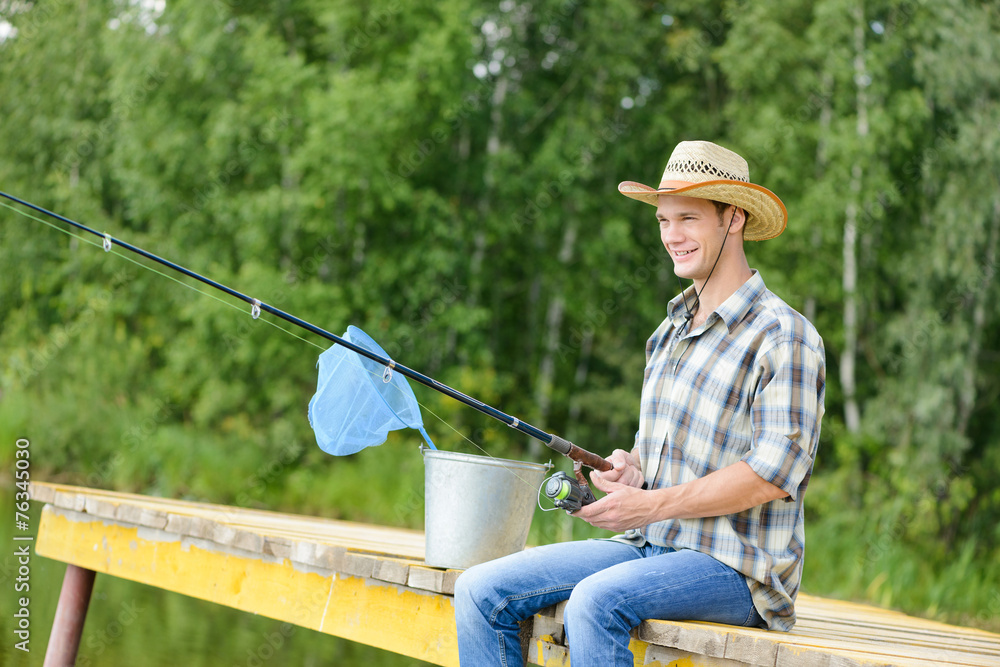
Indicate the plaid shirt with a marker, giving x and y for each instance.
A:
(749, 386)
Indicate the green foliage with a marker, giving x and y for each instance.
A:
(443, 176)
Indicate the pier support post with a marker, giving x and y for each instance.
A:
(67, 627)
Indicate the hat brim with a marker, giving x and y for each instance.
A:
(766, 214)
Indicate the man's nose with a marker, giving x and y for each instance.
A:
(670, 233)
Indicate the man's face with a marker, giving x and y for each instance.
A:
(692, 232)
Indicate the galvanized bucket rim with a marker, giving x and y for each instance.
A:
(484, 460)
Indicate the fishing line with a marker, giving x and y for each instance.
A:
(153, 269)
(105, 246)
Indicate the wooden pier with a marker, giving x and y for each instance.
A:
(369, 584)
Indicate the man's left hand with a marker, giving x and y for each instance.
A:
(623, 508)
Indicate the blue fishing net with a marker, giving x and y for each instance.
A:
(356, 402)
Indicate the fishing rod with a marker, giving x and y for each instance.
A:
(561, 445)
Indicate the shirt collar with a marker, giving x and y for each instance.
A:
(732, 311)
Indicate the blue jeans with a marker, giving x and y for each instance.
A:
(611, 587)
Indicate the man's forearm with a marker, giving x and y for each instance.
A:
(733, 489)
(727, 491)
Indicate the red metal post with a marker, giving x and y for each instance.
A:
(70, 615)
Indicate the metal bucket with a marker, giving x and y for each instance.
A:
(477, 508)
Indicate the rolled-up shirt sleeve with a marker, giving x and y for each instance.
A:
(786, 412)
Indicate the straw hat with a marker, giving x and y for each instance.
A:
(708, 171)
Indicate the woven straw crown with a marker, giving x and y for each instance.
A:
(708, 171)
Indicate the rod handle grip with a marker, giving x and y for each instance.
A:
(588, 459)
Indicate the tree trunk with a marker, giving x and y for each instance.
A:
(553, 328)
(852, 414)
(967, 392)
(822, 160)
(479, 240)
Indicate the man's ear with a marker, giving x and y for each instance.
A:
(739, 222)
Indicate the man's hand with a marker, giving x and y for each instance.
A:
(730, 490)
(626, 469)
(623, 508)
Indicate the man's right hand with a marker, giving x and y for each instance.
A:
(625, 469)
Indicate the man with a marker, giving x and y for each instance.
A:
(710, 496)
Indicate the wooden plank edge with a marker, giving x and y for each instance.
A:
(391, 570)
(544, 651)
(762, 647)
(41, 492)
(900, 637)
(202, 520)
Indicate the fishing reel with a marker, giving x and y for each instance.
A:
(567, 493)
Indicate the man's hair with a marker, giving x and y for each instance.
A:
(720, 209)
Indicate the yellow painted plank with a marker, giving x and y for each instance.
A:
(416, 624)
(362, 609)
(546, 652)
